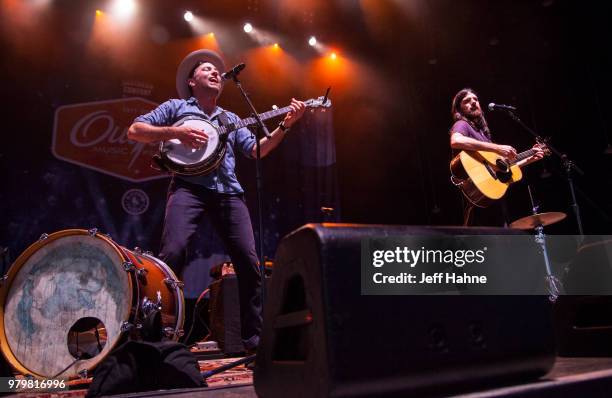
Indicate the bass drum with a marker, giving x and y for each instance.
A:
(74, 295)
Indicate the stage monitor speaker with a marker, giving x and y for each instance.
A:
(583, 318)
(322, 338)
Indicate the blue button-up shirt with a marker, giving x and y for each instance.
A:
(223, 179)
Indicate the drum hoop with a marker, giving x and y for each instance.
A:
(180, 299)
(12, 273)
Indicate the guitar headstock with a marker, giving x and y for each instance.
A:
(542, 143)
(320, 102)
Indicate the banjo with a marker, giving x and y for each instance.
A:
(181, 159)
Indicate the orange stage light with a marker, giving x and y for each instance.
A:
(208, 41)
(348, 77)
(265, 62)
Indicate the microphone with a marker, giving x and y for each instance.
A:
(500, 107)
(232, 73)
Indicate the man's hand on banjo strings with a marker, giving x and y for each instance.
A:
(191, 136)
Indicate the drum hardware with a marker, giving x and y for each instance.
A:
(128, 266)
(148, 306)
(142, 272)
(92, 231)
(43, 236)
(174, 283)
(128, 326)
(554, 284)
(4, 278)
(537, 221)
(169, 332)
(140, 251)
(543, 219)
(83, 374)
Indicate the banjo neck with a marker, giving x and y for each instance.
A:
(252, 120)
(180, 159)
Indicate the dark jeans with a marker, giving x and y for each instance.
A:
(496, 215)
(187, 204)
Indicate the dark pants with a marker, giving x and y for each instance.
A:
(496, 215)
(187, 204)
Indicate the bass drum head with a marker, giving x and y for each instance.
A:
(65, 297)
(185, 156)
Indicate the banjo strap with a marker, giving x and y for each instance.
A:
(224, 121)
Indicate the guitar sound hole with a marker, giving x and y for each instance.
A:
(503, 172)
(502, 166)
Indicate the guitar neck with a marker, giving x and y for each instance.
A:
(523, 155)
(252, 120)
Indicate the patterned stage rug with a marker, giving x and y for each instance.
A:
(239, 375)
(59, 394)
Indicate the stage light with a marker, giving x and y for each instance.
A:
(312, 41)
(188, 16)
(248, 28)
(276, 46)
(98, 13)
(124, 8)
(333, 56)
(41, 3)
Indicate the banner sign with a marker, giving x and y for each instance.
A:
(94, 135)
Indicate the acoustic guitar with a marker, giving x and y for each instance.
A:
(484, 176)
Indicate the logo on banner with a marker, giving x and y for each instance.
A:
(94, 135)
(135, 202)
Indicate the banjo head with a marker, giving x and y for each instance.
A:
(183, 155)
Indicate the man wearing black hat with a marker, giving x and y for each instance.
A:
(219, 194)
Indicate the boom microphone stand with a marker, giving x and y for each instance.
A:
(261, 128)
(568, 165)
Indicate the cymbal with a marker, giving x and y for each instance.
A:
(543, 219)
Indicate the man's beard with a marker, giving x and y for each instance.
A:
(474, 118)
(474, 115)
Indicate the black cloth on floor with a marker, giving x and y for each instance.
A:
(142, 366)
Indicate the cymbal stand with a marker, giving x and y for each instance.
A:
(555, 286)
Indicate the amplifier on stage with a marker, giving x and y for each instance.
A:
(224, 312)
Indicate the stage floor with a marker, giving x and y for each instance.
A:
(570, 377)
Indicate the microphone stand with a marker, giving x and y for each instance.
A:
(568, 165)
(261, 128)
